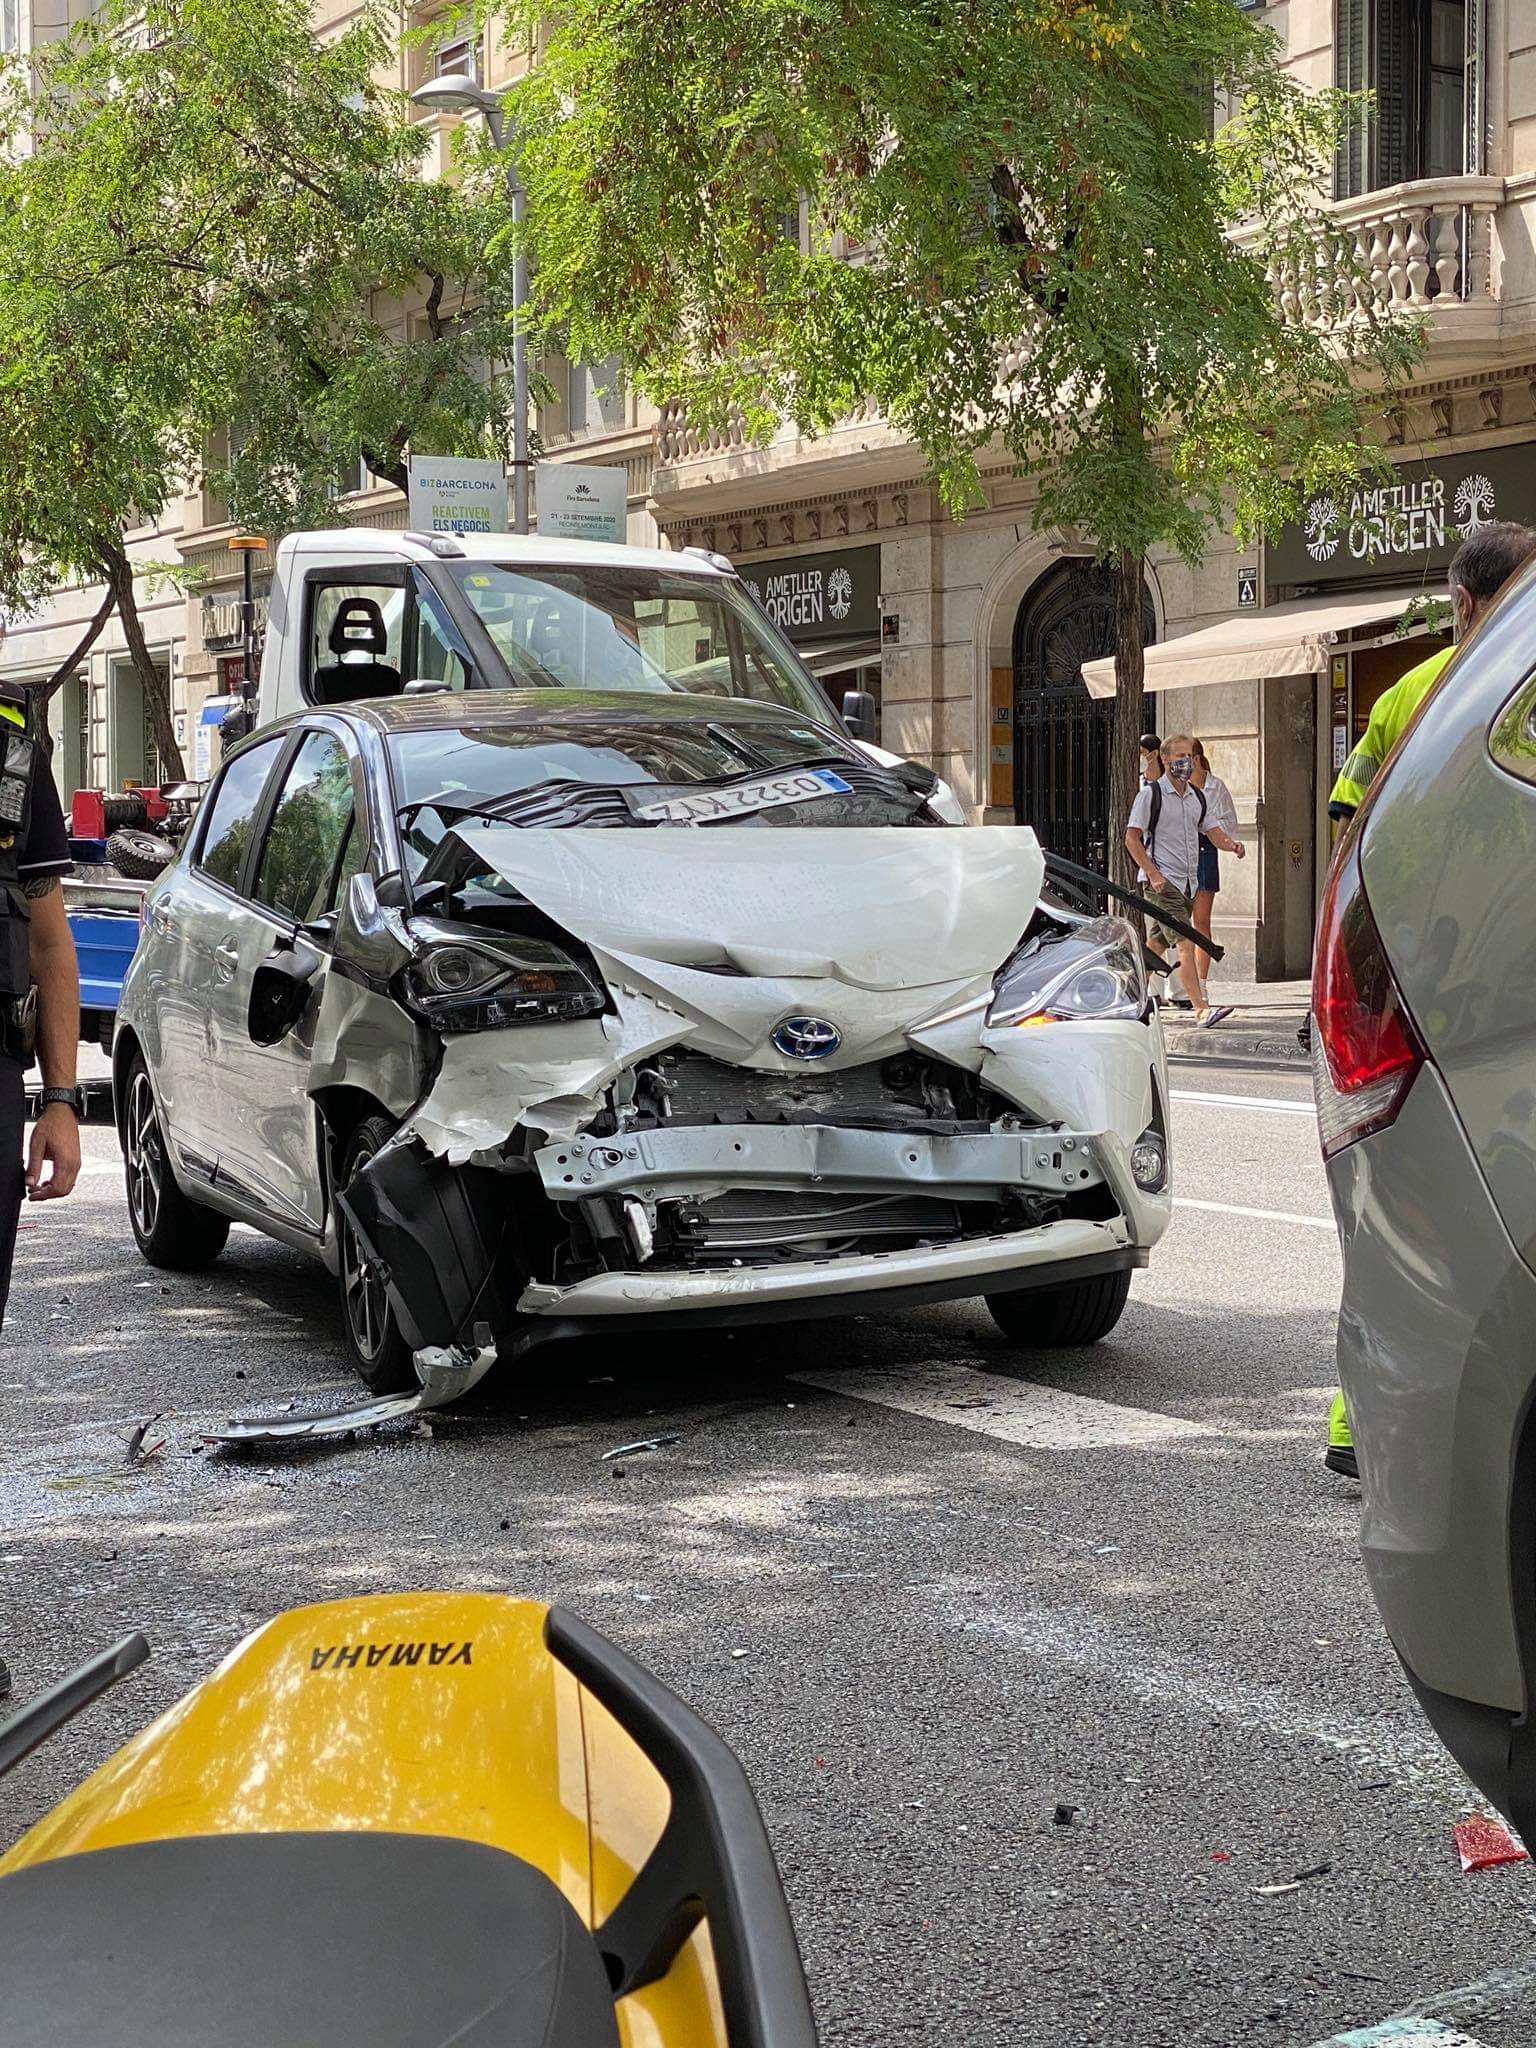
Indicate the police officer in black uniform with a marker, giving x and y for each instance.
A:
(39, 979)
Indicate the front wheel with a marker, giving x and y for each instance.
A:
(1052, 1318)
(169, 1228)
(380, 1356)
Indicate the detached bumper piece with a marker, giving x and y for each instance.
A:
(442, 1236)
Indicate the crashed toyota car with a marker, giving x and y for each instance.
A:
(538, 1011)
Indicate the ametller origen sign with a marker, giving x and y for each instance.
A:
(1399, 519)
(1404, 526)
(819, 597)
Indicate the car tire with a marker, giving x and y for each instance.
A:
(1052, 1318)
(379, 1354)
(139, 855)
(169, 1228)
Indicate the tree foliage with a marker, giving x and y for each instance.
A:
(1041, 218)
(214, 234)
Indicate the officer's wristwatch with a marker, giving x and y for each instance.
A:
(75, 1097)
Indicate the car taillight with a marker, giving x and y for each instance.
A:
(1365, 1050)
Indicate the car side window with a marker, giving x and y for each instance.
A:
(437, 657)
(356, 636)
(310, 829)
(232, 808)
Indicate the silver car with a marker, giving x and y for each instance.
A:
(552, 1011)
(1424, 996)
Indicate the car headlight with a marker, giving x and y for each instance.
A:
(1093, 971)
(462, 987)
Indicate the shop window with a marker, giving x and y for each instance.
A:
(1411, 56)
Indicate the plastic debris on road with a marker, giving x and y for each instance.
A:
(445, 1374)
(1064, 1814)
(140, 1452)
(646, 1443)
(1482, 1842)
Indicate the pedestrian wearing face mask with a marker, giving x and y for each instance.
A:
(1167, 826)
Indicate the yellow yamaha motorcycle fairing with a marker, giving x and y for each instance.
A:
(401, 1822)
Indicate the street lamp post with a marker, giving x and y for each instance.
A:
(439, 95)
(248, 546)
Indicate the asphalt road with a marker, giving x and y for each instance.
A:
(961, 1603)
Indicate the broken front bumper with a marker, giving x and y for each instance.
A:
(1054, 1254)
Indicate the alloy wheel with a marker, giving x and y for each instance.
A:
(145, 1156)
(362, 1291)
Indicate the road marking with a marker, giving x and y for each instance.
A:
(1274, 1102)
(1017, 1411)
(1259, 1215)
(1074, 1638)
(1406, 2033)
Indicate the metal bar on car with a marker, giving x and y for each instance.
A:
(1056, 864)
(60, 1703)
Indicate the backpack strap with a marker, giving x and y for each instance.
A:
(1155, 810)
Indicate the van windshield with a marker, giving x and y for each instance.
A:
(638, 630)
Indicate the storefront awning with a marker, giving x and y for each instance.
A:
(1286, 640)
(836, 654)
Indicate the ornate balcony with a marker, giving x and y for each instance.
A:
(1425, 248)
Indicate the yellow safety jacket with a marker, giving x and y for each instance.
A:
(1389, 716)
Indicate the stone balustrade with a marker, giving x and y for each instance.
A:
(1404, 249)
(680, 439)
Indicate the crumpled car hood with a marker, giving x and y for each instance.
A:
(877, 908)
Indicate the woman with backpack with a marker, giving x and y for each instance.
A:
(1221, 812)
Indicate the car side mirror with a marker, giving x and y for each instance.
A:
(280, 993)
(859, 714)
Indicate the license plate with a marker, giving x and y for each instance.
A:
(706, 806)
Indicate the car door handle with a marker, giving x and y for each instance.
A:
(226, 958)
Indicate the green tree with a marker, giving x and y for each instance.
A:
(220, 237)
(1044, 217)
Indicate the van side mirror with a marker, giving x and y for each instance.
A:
(859, 714)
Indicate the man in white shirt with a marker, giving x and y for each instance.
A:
(1163, 838)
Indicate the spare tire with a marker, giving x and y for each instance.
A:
(139, 855)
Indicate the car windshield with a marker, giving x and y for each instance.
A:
(641, 630)
(594, 764)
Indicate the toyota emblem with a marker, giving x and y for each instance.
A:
(807, 1038)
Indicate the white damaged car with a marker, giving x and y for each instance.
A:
(535, 1011)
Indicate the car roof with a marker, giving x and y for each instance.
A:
(521, 551)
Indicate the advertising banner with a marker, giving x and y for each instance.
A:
(456, 494)
(578, 501)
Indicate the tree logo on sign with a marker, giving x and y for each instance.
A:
(1323, 529)
(839, 593)
(1474, 504)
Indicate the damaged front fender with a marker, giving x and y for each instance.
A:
(442, 1237)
